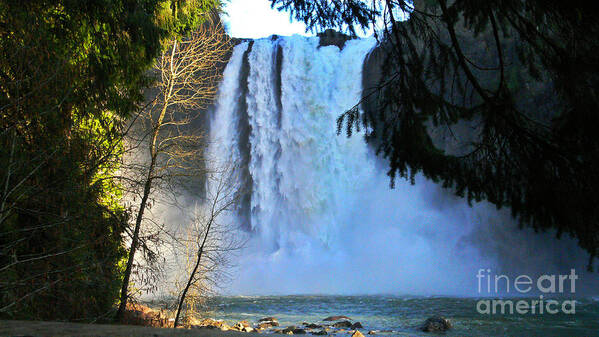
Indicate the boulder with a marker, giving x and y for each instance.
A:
(342, 324)
(206, 323)
(356, 325)
(139, 314)
(371, 332)
(331, 37)
(267, 324)
(312, 326)
(320, 333)
(289, 330)
(436, 324)
(241, 326)
(268, 319)
(299, 331)
(357, 333)
(335, 318)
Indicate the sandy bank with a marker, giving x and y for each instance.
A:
(63, 329)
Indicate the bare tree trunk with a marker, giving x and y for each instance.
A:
(215, 240)
(134, 243)
(197, 265)
(193, 273)
(144, 201)
(187, 79)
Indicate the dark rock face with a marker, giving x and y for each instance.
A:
(536, 98)
(331, 37)
(436, 324)
(244, 131)
(335, 318)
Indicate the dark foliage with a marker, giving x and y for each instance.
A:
(521, 76)
(71, 72)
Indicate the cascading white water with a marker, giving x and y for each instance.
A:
(303, 175)
(322, 217)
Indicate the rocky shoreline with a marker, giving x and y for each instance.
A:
(145, 321)
(138, 314)
(331, 325)
(334, 325)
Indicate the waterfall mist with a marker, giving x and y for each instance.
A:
(318, 207)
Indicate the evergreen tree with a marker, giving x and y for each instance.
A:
(520, 75)
(71, 73)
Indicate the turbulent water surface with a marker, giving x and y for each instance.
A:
(403, 315)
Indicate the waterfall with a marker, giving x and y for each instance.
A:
(319, 210)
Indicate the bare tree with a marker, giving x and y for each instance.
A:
(212, 239)
(187, 76)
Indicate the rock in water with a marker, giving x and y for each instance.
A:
(357, 333)
(342, 324)
(436, 324)
(372, 332)
(242, 326)
(267, 324)
(206, 323)
(268, 319)
(289, 330)
(335, 318)
(312, 326)
(356, 326)
(299, 331)
(320, 333)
